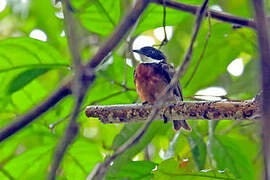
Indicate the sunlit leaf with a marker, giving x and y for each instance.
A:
(153, 18)
(135, 170)
(229, 155)
(80, 159)
(127, 131)
(19, 166)
(18, 54)
(99, 16)
(198, 149)
(172, 169)
(24, 78)
(155, 128)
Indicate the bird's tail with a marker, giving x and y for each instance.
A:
(178, 124)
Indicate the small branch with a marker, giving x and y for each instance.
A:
(35, 112)
(188, 55)
(6, 174)
(54, 124)
(264, 44)
(202, 54)
(208, 110)
(225, 17)
(165, 39)
(79, 88)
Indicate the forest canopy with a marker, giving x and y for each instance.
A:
(59, 57)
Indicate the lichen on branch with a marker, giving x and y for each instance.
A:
(208, 110)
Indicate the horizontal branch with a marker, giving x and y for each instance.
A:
(225, 17)
(208, 110)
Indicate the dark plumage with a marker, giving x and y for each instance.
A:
(151, 52)
(151, 78)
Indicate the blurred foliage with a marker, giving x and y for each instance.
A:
(31, 69)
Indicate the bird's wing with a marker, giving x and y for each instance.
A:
(171, 71)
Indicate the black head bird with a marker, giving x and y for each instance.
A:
(151, 52)
(152, 78)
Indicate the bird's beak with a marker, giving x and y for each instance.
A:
(136, 51)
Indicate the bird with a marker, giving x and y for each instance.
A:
(152, 76)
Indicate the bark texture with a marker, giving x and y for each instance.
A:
(213, 110)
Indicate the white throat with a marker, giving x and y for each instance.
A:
(146, 59)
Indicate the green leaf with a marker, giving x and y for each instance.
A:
(99, 16)
(80, 159)
(215, 60)
(135, 170)
(229, 155)
(44, 16)
(107, 92)
(153, 18)
(27, 66)
(182, 170)
(25, 164)
(198, 149)
(247, 85)
(24, 78)
(155, 128)
(127, 132)
(17, 54)
(23, 50)
(3, 175)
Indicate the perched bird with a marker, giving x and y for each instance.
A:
(152, 76)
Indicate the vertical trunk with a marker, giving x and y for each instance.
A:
(264, 44)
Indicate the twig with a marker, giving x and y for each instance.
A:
(100, 171)
(52, 125)
(188, 55)
(165, 40)
(6, 174)
(110, 96)
(147, 153)
(211, 130)
(123, 86)
(65, 89)
(208, 110)
(202, 54)
(80, 87)
(225, 17)
(264, 44)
